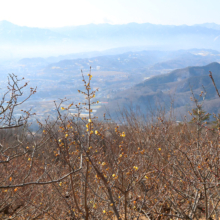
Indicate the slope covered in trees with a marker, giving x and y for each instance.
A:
(173, 88)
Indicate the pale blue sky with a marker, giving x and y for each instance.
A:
(57, 13)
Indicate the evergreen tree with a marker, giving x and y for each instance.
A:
(199, 115)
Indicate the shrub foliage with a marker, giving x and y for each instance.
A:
(83, 168)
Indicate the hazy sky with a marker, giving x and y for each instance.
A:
(57, 13)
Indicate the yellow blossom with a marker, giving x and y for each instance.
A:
(96, 132)
(62, 108)
(123, 134)
(66, 135)
(159, 149)
(113, 175)
(136, 168)
(89, 120)
(104, 211)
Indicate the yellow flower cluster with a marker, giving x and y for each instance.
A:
(136, 168)
(123, 134)
(90, 76)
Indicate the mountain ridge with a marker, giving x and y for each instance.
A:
(179, 83)
(58, 41)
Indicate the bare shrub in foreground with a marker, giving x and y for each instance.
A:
(81, 168)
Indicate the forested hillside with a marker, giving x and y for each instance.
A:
(171, 89)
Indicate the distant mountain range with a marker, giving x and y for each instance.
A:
(142, 64)
(209, 25)
(132, 62)
(137, 66)
(14, 34)
(17, 41)
(176, 86)
(135, 78)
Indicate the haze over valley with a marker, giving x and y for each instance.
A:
(122, 58)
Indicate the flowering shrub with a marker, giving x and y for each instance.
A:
(82, 168)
